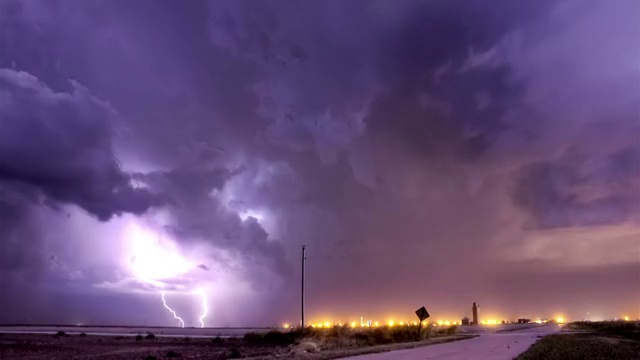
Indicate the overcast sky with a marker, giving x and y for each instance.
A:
(431, 153)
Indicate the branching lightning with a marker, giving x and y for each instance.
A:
(205, 309)
(175, 316)
(154, 260)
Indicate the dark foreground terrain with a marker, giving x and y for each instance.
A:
(306, 344)
(593, 340)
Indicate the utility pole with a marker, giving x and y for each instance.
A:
(302, 292)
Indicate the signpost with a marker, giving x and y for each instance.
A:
(422, 314)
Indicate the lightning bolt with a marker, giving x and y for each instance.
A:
(175, 316)
(205, 309)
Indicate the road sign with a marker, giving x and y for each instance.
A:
(422, 313)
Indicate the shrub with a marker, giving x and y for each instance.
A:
(306, 347)
(234, 353)
(139, 338)
(381, 336)
(172, 354)
(150, 336)
(426, 332)
(217, 340)
(252, 338)
(150, 357)
(60, 333)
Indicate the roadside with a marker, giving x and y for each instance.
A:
(303, 344)
(593, 340)
(301, 352)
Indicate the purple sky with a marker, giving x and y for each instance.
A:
(427, 153)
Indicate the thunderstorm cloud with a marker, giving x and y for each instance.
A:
(426, 153)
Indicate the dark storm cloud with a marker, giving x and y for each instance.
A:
(19, 234)
(583, 190)
(394, 138)
(60, 145)
(198, 214)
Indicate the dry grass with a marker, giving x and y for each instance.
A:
(297, 344)
(298, 353)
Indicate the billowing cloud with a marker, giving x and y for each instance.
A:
(428, 149)
(59, 145)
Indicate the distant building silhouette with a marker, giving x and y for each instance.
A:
(475, 314)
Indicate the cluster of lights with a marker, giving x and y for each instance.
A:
(446, 323)
(392, 323)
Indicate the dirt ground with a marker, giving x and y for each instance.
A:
(32, 346)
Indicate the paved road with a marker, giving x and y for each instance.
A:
(496, 346)
(131, 331)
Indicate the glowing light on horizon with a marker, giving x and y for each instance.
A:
(286, 326)
(626, 318)
(154, 260)
(391, 323)
(175, 316)
(250, 213)
(560, 320)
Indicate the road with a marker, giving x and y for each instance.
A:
(132, 331)
(493, 346)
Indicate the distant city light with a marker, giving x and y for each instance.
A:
(391, 323)
(354, 324)
(626, 318)
(286, 326)
(376, 324)
(440, 322)
(327, 324)
(560, 320)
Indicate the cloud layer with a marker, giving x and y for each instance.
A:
(423, 151)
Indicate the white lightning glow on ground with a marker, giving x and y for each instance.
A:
(154, 260)
(175, 316)
(250, 213)
(205, 308)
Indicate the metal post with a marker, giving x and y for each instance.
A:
(302, 293)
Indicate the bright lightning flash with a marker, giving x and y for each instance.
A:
(175, 316)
